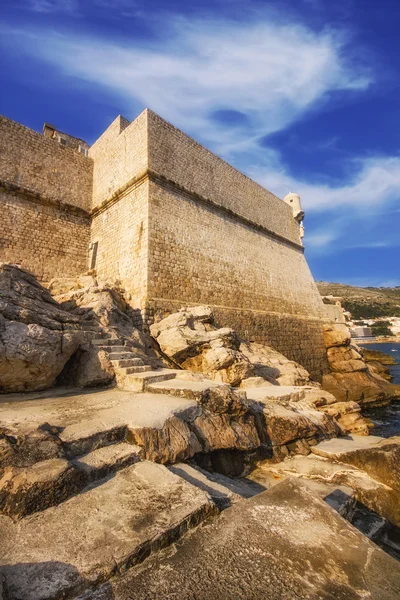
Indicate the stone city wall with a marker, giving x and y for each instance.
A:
(120, 156)
(256, 284)
(47, 241)
(45, 193)
(41, 165)
(121, 232)
(177, 157)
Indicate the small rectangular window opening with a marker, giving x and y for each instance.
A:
(94, 255)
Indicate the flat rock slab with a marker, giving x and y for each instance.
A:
(380, 458)
(283, 544)
(181, 387)
(333, 448)
(224, 491)
(276, 393)
(101, 462)
(97, 533)
(375, 495)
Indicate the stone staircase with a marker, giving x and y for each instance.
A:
(131, 372)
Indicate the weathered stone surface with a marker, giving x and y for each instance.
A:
(226, 432)
(25, 446)
(336, 335)
(108, 459)
(274, 367)
(27, 490)
(34, 345)
(283, 543)
(224, 491)
(348, 415)
(342, 353)
(89, 367)
(190, 338)
(279, 425)
(356, 387)
(377, 496)
(171, 443)
(104, 306)
(91, 536)
(378, 457)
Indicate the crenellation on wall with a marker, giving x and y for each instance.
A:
(41, 165)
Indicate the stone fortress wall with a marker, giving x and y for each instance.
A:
(45, 197)
(218, 238)
(173, 223)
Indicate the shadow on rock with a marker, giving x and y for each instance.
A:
(48, 580)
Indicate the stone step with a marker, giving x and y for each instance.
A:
(124, 355)
(135, 369)
(26, 490)
(99, 533)
(283, 543)
(194, 390)
(108, 459)
(111, 348)
(127, 362)
(106, 339)
(138, 382)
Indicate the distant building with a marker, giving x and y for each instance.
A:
(361, 333)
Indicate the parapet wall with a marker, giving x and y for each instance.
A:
(120, 156)
(177, 157)
(45, 195)
(41, 165)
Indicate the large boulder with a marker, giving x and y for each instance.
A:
(37, 337)
(358, 387)
(274, 367)
(350, 378)
(190, 338)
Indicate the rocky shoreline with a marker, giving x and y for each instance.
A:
(115, 443)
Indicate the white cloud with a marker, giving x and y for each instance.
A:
(377, 181)
(272, 72)
(53, 6)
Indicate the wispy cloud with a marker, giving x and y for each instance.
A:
(53, 6)
(268, 72)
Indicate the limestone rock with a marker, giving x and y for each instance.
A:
(224, 432)
(281, 544)
(37, 337)
(89, 367)
(273, 366)
(378, 457)
(336, 335)
(357, 387)
(280, 424)
(377, 496)
(190, 338)
(27, 490)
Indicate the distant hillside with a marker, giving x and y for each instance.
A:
(364, 303)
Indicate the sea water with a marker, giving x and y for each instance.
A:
(387, 418)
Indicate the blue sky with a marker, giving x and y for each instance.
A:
(301, 95)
